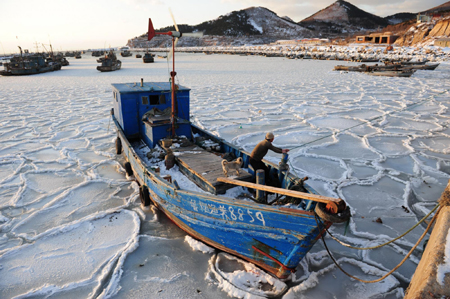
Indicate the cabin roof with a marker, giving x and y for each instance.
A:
(136, 87)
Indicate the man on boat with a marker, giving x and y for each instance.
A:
(260, 151)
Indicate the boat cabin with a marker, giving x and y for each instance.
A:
(151, 103)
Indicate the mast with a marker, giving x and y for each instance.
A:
(172, 76)
(175, 36)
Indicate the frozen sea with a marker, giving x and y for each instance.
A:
(71, 223)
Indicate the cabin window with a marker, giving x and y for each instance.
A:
(115, 96)
(154, 100)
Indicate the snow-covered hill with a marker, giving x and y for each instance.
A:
(342, 17)
(259, 25)
(254, 25)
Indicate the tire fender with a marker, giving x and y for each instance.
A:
(335, 218)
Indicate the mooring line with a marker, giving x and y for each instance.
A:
(396, 267)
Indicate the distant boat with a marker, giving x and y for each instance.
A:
(392, 73)
(62, 60)
(126, 53)
(138, 55)
(148, 57)
(109, 63)
(29, 65)
(77, 55)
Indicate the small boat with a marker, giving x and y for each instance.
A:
(138, 55)
(78, 55)
(29, 65)
(109, 63)
(350, 68)
(428, 67)
(97, 53)
(152, 122)
(368, 60)
(148, 58)
(126, 53)
(392, 73)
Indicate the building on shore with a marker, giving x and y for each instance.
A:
(423, 18)
(377, 38)
(310, 41)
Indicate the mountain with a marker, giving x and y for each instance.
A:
(342, 17)
(259, 25)
(441, 8)
(255, 25)
(400, 17)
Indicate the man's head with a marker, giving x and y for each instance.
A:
(269, 136)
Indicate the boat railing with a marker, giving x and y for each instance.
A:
(333, 203)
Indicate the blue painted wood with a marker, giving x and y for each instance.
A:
(132, 101)
(273, 237)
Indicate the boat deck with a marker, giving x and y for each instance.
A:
(204, 167)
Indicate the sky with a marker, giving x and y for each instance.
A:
(87, 24)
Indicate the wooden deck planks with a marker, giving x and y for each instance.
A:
(208, 166)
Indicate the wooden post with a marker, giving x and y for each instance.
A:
(427, 283)
(283, 167)
(260, 179)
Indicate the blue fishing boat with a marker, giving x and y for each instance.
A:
(154, 131)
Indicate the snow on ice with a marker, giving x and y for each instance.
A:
(71, 223)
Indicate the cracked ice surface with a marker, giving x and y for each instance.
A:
(71, 223)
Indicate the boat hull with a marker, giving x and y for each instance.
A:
(272, 237)
(110, 68)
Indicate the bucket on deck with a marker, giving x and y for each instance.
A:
(169, 160)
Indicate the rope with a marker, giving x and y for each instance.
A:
(381, 245)
(396, 267)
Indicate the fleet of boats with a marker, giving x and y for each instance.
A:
(29, 64)
(35, 63)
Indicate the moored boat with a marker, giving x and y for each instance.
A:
(152, 122)
(109, 63)
(126, 53)
(148, 58)
(29, 65)
(392, 73)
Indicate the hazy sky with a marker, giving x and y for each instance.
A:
(84, 24)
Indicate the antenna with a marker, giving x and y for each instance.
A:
(175, 36)
(37, 46)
